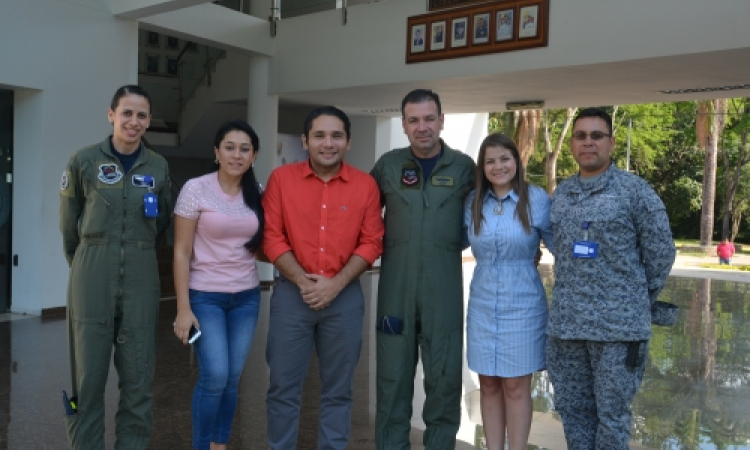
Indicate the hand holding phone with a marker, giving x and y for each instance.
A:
(194, 334)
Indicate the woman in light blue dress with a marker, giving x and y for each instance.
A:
(505, 218)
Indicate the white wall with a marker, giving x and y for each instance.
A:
(370, 135)
(365, 141)
(463, 132)
(370, 49)
(64, 79)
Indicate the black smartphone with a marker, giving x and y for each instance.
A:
(389, 325)
(194, 334)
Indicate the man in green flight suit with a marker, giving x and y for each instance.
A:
(114, 201)
(420, 293)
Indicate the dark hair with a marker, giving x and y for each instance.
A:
(595, 112)
(419, 96)
(328, 111)
(250, 188)
(483, 185)
(128, 89)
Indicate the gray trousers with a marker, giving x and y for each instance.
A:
(593, 391)
(336, 333)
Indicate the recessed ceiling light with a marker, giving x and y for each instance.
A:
(706, 89)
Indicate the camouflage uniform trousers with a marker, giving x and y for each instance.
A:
(594, 390)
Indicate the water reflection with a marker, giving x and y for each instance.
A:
(695, 393)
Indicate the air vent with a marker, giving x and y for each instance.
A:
(381, 111)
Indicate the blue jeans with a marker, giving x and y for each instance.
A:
(227, 323)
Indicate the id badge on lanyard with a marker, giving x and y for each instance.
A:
(585, 248)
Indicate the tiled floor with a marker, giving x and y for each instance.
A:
(696, 394)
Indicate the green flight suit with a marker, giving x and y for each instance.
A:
(421, 283)
(113, 290)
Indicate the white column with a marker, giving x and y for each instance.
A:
(263, 116)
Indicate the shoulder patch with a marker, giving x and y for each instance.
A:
(64, 181)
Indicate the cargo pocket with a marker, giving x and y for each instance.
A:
(451, 368)
(132, 356)
(391, 356)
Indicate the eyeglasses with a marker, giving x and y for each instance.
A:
(595, 135)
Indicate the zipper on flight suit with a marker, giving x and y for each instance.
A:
(122, 239)
(124, 219)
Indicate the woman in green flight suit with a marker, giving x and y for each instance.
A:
(115, 200)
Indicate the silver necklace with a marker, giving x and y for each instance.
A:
(499, 208)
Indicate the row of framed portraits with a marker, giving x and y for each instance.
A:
(487, 28)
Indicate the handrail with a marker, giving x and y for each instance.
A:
(208, 65)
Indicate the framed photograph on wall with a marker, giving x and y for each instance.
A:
(152, 39)
(152, 63)
(173, 43)
(437, 35)
(528, 24)
(458, 32)
(504, 25)
(481, 28)
(418, 36)
(485, 27)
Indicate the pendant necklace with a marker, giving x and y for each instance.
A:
(499, 208)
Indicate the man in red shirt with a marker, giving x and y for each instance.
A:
(725, 251)
(323, 229)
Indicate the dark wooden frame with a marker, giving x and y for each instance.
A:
(520, 19)
(467, 31)
(490, 22)
(425, 37)
(441, 5)
(446, 27)
(513, 34)
(471, 48)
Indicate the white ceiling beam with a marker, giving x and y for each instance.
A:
(215, 26)
(138, 9)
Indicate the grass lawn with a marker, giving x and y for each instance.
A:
(724, 267)
(696, 242)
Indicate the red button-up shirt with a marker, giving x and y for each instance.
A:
(322, 223)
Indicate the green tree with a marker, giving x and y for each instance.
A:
(708, 126)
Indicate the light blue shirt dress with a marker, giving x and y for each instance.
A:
(507, 314)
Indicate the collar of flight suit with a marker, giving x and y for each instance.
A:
(445, 159)
(142, 158)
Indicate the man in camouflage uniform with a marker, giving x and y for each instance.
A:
(614, 253)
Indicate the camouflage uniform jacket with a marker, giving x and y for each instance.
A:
(608, 298)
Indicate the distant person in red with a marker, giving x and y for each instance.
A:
(725, 250)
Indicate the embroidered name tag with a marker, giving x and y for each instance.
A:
(144, 181)
(442, 180)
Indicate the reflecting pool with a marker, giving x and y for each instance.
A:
(696, 390)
